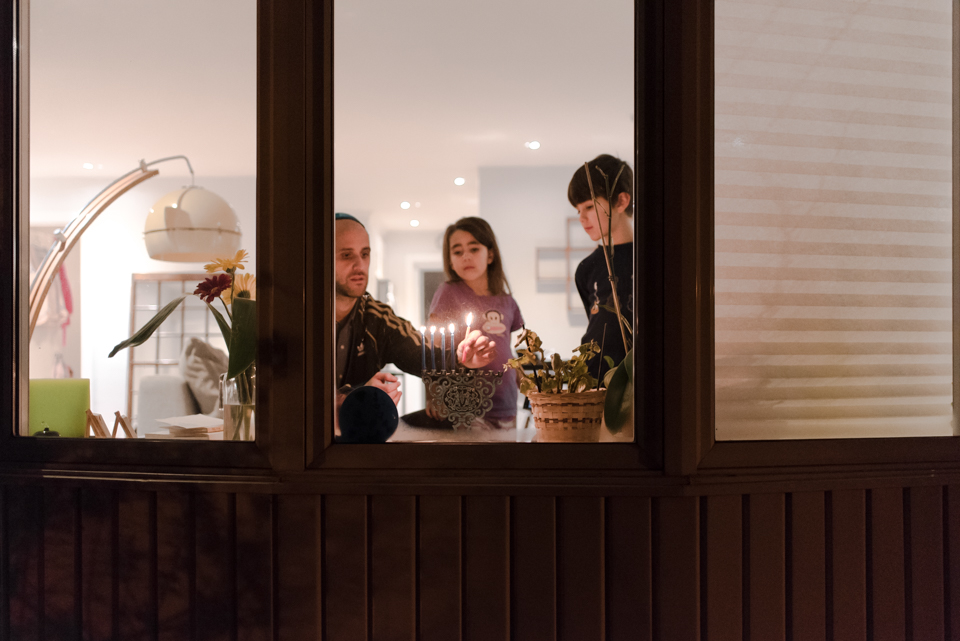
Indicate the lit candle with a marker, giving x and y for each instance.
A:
(453, 346)
(433, 353)
(423, 348)
(443, 349)
(469, 320)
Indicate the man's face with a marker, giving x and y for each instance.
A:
(353, 259)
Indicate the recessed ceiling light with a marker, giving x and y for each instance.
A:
(88, 165)
(533, 144)
(404, 205)
(458, 181)
(414, 223)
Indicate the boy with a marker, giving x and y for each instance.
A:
(615, 225)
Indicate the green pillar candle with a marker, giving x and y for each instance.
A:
(61, 404)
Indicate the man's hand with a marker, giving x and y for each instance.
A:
(388, 383)
(476, 350)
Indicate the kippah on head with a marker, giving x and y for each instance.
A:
(342, 216)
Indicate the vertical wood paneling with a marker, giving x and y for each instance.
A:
(952, 566)
(215, 552)
(580, 565)
(440, 569)
(533, 585)
(486, 568)
(298, 588)
(393, 529)
(176, 558)
(677, 568)
(849, 565)
(25, 532)
(767, 604)
(629, 573)
(926, 562)
(807, 558)
(345, 568)
(255, 567)
(136, 606)
(61, 618)
(723, 564)
(886, 607)
(98, 513)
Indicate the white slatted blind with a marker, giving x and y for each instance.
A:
(834, 217)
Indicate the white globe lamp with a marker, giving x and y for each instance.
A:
(191, 225)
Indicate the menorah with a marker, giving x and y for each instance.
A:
(461, 395)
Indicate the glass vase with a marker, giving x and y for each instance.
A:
(239, 407)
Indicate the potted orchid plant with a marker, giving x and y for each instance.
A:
(237, 295)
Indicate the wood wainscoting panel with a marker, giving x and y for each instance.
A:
(848, 567)
(722, 567)
(24, 531)
(533, 571)
(486, 568)
(299, 568)
(580, 567)
(766, 554)
(98, 570)
(676, 568)
(886, 603)
(345, 567)
(951, 506)
(176, 565)
(393, 567)
(629, 569)
(925, 602)
(216, 542)
(61, 540)
(441, 574)
(136, 547)
(806, 563)
(254, 558)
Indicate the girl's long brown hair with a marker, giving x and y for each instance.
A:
(479, 229)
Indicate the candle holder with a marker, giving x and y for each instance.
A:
(462, 395)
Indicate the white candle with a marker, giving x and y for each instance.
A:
(443, 349)
(433, 354)
(423, 348)
(453, 346)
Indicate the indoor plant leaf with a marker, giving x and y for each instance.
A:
(144, 333)
(221, 323)
(243, 338)
(619, 401)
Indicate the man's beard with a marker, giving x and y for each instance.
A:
(346, 293)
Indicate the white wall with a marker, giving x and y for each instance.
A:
(112, 249)
(528, 208)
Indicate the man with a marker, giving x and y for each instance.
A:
(369, 334)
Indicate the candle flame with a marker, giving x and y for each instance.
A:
(433, 328)
(441, 331)
(470, 318)
(451, 328)
(422, 329)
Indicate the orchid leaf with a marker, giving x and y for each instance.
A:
(243, 337)
(144, 333)
(618, 405)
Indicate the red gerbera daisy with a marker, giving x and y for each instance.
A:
(211, 288)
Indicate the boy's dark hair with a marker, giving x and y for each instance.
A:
(481, 230)
(579, 190)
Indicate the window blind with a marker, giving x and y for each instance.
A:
(834, 218)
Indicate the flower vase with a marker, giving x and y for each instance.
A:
(239, 407)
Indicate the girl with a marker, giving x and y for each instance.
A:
(476, 283)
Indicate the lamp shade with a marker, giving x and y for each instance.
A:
(191, 225)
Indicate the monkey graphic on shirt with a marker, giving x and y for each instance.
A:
(493, 323)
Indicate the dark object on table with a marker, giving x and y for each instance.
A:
(422, 420)
(46, 432)
(367, 415)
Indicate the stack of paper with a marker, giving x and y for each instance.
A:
(198, 427)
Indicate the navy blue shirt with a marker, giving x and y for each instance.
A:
(593, 284)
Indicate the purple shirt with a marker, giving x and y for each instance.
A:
(496, 317)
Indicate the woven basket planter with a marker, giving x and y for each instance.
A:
(566, 417)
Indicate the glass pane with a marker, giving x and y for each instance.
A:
(834, 219)
(118, 91)
(482, 110)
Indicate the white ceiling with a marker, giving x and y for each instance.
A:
(426, 91)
